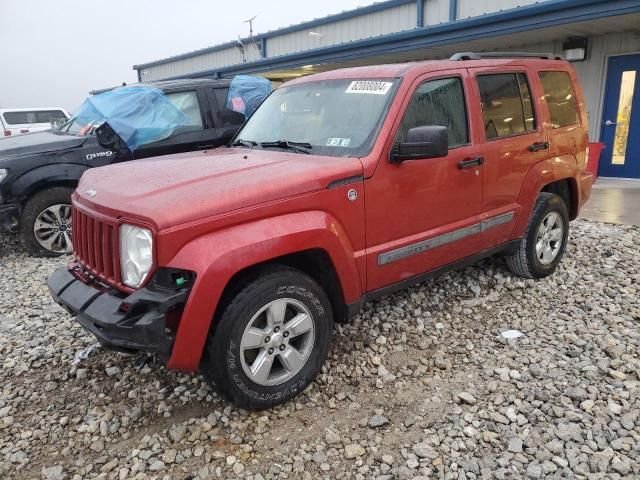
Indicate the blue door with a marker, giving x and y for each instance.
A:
(621, 119)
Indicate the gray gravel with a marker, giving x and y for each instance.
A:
(421, 385)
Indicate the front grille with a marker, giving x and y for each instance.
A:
(95, 246)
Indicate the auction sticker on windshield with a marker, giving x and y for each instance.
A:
(371, 87)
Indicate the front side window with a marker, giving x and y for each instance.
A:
(45, 116)
(438, 103)
(228, 117)
(339, 118)
(507, 107)
(561, 98)
(188, 103)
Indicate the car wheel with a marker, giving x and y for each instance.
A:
(270, 340)
(544, 241)
(45, 227)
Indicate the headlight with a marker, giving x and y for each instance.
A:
(3, 173)
(136, 254)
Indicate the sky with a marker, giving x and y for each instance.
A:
(52, 52)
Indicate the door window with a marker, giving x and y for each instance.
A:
(627, 87)
(507, 107)
(560, 97)
(228, 117)
(438, 103)
(188, 103)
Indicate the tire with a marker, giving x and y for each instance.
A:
(52, 241)
(255, 329)
(549, 212)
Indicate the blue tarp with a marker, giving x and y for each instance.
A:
(138, 114)
(246, 93)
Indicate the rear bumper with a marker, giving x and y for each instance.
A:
(141, 326)
(9, 215)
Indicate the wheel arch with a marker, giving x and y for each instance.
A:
(48, 176)
(567, 189)
(313, 242)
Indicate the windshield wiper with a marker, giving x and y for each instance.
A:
(244, 143)
(301, 147)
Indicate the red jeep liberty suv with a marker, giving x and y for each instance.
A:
(342, 187)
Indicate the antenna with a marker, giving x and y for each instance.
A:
(250, 22)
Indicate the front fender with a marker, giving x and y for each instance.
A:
(216, 257)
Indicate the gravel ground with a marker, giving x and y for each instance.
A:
(420, 385)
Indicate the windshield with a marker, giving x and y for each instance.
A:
(332, 117)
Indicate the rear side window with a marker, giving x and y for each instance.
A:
(438, 102)
(17, 118)
(229, 118)
(507, 107)
(561, 98)
(188, 103)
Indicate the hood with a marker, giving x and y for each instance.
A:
(38, 142)
(175, 189)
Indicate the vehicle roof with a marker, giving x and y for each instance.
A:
(412, 69)
(172, 84)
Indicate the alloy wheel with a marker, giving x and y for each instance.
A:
(277, 342)
(52, 228)
(549, 238)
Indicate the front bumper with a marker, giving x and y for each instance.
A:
(133, 323)
(9, 215)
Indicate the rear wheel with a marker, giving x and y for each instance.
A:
(271, 339)
(544, 241)
(45, 227)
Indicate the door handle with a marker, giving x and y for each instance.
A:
(471, 162)
(608, 123)
(536, 147)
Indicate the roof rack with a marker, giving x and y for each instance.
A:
(479, 56)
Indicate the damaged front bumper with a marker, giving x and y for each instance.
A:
(137, 322)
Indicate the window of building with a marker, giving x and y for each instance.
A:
(438, 103)
(507, 107)
(561, 98)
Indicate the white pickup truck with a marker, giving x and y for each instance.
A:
(16, 121)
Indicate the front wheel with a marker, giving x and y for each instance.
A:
(45, 226)
(270, 340)
(544, 241)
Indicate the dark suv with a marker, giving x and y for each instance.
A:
(39, 171)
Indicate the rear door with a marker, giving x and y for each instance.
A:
(513, 140)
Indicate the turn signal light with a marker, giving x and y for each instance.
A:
(7, 133)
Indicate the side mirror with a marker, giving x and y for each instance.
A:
(422, 142)
(109, 139)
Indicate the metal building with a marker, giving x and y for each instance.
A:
(602, 37)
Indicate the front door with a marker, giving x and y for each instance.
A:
(422, 214)
(621, 119)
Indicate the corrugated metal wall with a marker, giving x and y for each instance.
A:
(391, 20)
(207, 61)
(435, 12)
(472, 8)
